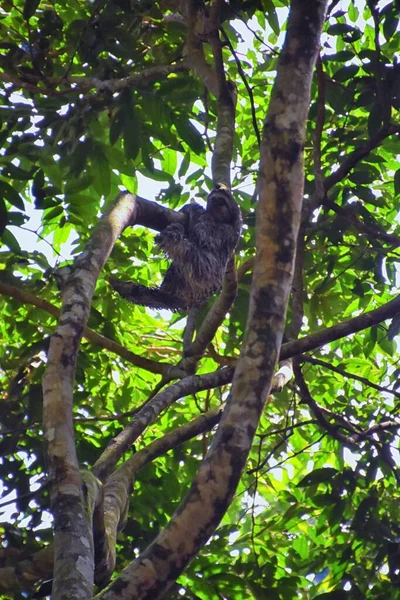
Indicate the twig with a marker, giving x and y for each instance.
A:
(344, 373)
(246, 84)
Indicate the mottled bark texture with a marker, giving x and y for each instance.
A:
(150, 411)
(73, 540)
(109, 513)
(281, 191)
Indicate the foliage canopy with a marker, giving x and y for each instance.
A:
(99, 96)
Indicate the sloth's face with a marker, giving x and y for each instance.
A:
(219, 208)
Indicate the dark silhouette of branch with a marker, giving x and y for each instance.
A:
(320, 413)
(247, 86)
(346, 166)
(25, 297)
(346, 374)
(375, 231)
(358, 154)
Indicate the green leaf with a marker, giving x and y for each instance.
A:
(11, 195)
(340, 29)
(77, 185)
(335, 595)
(117, 126)
(189, 134)
(11, 241)
(353, 12)
(272, 16)
(132, 133)
(324, 475)
(346, 73)
(100, 172)
(375, 119)
(184, 165)
(3, 216)
(390, 22)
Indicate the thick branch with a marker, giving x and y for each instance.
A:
(278, 221)
(150, 411)
(119, 485)
(194, 54)
(23, 575)
(72, 525)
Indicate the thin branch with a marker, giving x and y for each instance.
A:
(375, 231)
(346, 374)
(358, 154)
(150, 411)
(32, 83)
(25, 297)
(344, 329)
(319, 412)
(346, 166)
(246, 84)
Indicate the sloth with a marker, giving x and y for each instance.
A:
(199, 255)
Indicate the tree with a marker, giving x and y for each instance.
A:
(178, 474)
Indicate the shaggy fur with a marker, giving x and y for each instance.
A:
(199, 255)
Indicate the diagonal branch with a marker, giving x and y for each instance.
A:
(150, 411)
(375, 231)
(281, 177)
(334, 429)
(13, 291)
(337, 332)
(348, 375)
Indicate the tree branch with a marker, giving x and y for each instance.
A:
(25, 297)
(337, 332)
(72, 524)
(78, 84)
(375, 231)
(280, 203)
(150, 411)
(346, 374)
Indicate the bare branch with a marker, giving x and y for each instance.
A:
(150, 411)
(219, 473)
(375, 231)
(320, 413)
(246, 85)
(337, 332)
